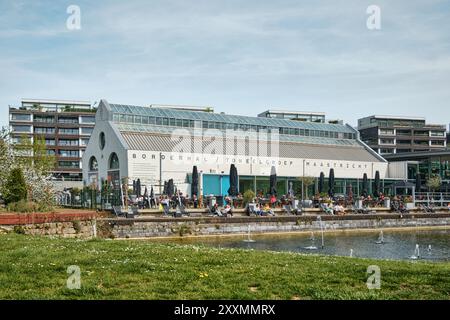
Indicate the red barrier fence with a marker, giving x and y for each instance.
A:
(32, 218)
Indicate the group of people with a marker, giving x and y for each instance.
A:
(334, 209)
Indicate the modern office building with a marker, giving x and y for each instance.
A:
(392, 134)
(156, 144)
(65, 125)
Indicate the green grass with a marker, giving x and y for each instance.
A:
(36, 268)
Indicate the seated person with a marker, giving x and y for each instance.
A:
(227, 210)
(267, 209)
(328, 208)
(258, 210)
(216, 210)
(339, 209)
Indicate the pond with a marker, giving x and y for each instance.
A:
(425, 245)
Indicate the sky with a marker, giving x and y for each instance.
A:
(238, 56)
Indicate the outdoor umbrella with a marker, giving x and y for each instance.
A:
(376, 191)
(165, 187)
(152, 198)
(418, 182)
(170, 188)
(233, 190)
(145, 196)
(364, 185)
(138, 187)
(321, 182)
(273, 181)
(194, 185)
(331, 183)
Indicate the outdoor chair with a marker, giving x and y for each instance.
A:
(288, 209)
(118, 211)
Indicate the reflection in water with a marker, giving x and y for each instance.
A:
(396, 245)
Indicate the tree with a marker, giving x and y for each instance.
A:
(248, 196)
(6, 157)
(434, 183)
(307, 181)
(15, 188)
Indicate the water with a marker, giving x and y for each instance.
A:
(397, 245)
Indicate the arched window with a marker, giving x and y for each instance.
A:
(93, 165)
(113, 161)
(102, 140)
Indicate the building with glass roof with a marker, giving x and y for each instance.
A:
(158, 143)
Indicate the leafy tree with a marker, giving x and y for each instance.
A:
(15, 188)
(434, 183)
(307, 181)
(6, 157)
(248, 196)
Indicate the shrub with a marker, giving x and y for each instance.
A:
(248, 196)
(15, 188)
(76, 226)
(19, 230)
(22, 206)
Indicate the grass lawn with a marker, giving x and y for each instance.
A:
(36, 268)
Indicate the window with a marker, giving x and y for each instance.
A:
(113, 161)
(102, 140)
(44, 130)
(387, 132)
(437, 143)
(68, 142)
(20, 117)
(87, 119)
(51, 152)
(69, 153)
(387, 141)
(69, 164)
(85, 130)
(84, 142)
(437, 133)
(70, 120)
(21, 128)
(45, 119)
(68, 131)
(386, 151)
(50, 142)
(93, 164)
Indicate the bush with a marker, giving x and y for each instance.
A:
(15, 188)
(249, 195)
(76, 226)
(19, 230)
(24, 206)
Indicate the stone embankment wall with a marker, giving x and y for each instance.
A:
(203, 227)
(70, 229)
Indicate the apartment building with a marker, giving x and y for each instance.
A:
(66, 127)
(392, 134)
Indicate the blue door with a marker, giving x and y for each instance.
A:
(214, 184)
